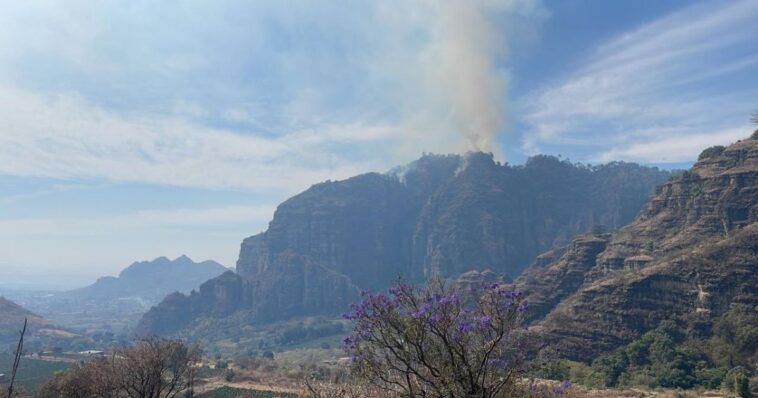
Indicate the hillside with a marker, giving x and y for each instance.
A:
(12, 320)
(11, 313)
(441, 215)
(690, 256)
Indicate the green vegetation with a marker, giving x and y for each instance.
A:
(298, 333)
(254, 339)
(734, 341)
(665, 357)
(711, 152)
(231, 392)
(737, 380)
(31, 372)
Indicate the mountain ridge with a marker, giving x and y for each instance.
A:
(328, 242)
(689, 256)
(152, 279)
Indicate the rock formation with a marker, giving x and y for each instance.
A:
(440, 215)
(690, 255)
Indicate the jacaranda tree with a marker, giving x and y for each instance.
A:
(440, 340)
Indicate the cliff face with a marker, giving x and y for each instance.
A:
(690, 255)
(447, 215)
(353, 227)
(442, 215)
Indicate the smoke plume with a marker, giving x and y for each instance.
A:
(461, 68)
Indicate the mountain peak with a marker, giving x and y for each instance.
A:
(154, 279)
(183, 259)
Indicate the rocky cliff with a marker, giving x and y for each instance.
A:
(443, 215)
(690, 255)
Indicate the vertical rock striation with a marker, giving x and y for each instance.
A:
(440, 215)
(690, 254)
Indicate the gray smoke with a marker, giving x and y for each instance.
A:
(461, 61)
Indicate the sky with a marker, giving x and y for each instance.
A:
(133, 130)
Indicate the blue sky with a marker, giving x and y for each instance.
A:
(134, 130)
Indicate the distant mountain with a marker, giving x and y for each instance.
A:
(115, 304)
(690, 256)
(150, 281)
(440, 215)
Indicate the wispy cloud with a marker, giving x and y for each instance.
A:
(663, 85)
(676, 147)
(259, 96)
(214, 217)
(64, 136)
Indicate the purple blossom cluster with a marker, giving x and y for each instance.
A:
(437, 333)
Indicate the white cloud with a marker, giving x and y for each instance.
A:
(131, 95)
(661, 80)
(97, 245)
(672, 149)
(212, 217)
(63, 136)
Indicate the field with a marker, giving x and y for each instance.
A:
(232, 392)
(31, 372)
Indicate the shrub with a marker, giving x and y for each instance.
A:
(153, 367)
(709, 377)
(737, 381)
(229, 375)
(661, 357)
(608, 368)
(711, 152)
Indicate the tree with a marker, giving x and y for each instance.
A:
(440, 341)
(737, 381)
(152, 368)
(89, 379)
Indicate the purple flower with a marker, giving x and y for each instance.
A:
(465, 327)
(451, 299)
(483, 322)
(423, 309)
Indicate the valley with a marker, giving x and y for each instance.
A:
(688, 258)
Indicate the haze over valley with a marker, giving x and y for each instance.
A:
(447, 199)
